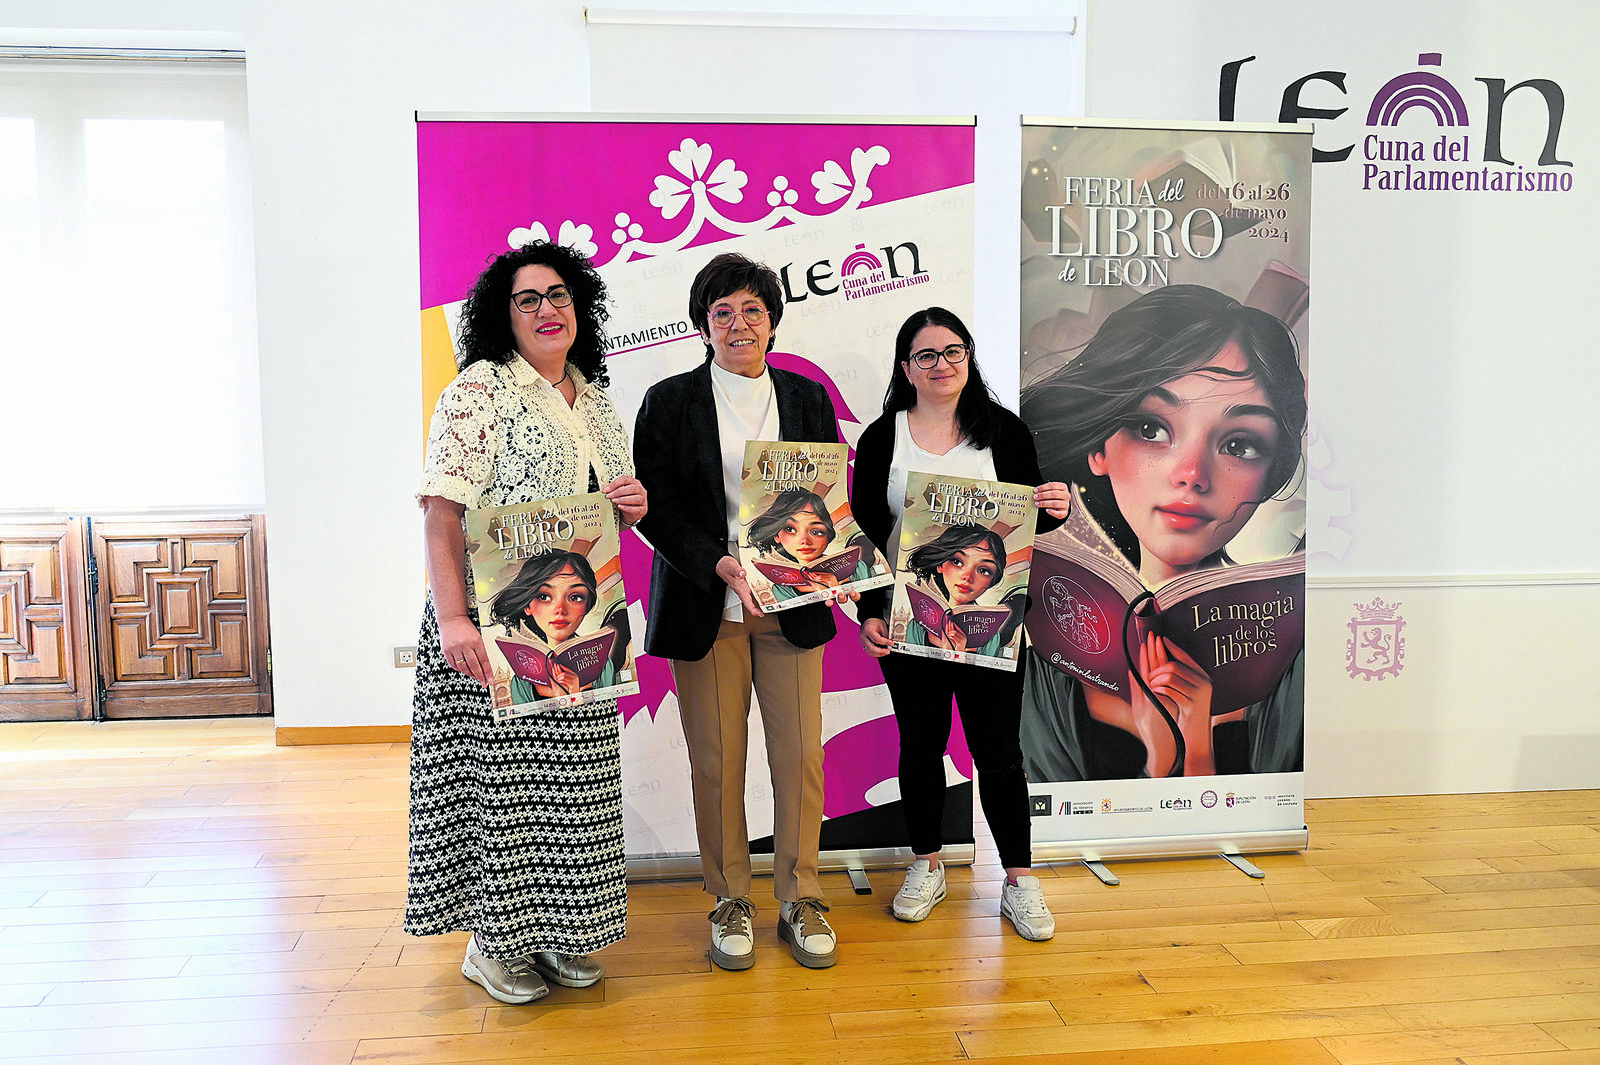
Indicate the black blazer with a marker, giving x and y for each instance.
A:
(1016, 461)
(677, 453)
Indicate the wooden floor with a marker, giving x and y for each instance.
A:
(186, 892)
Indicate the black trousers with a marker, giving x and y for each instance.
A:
(990, 703)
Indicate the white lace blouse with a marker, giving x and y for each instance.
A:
(501, 434)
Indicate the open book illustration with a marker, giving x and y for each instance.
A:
(584, 659)
(798, 542)
(547, 579)
(979, 624)
(962, 573)
(1243, 624)
(840, 565)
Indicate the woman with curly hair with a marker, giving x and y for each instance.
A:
(516, 827)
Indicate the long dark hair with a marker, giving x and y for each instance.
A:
(486, 316)
(510, 606)
(791, 501)
(1161, 336)
(974, 409)
(925, 560)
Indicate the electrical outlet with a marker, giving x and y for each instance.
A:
(405, 658)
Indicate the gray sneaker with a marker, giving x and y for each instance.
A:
(568, 970)
(923, 889)
(733, 942)
(513, 982)
(1023, 905)
(810, 937)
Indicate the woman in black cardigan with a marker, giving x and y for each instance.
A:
(938, 416)
(689, 448)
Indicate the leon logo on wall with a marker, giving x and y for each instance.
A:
(1468, 153)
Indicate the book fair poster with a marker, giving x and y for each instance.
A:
(547, 578)
(798, 541)
(865, 221)
(1164, 297)
(961, 580)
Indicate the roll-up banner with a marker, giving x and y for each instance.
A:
(1164, 292)
(865, 220)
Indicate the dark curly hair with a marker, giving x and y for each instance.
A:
(486, 316)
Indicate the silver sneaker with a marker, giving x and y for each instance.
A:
(1023, 905)
(568, 970)
(514, 982)
(810, 937)
(733, 941)
(923, 889)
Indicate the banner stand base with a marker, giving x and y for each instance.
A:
(1110, 879)
(853, 862)
(1107, 877)
(1243, 865)
(1093, 854)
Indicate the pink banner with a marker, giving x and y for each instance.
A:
(865, 223)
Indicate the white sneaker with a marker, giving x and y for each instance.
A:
(923, 890)
(810, 937)
(733, 941)
(1023, 905)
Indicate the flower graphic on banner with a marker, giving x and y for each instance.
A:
(698, 181)
(781, 193)
(626, 227)
(580, 238)
(691, 160)
(832, 184)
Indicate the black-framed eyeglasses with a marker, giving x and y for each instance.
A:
(723, 317)
(927, 358)
(527, 301)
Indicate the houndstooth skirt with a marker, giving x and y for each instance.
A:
(516, 828)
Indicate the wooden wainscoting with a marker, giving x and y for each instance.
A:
(46, 669)
(182, 618)
(120, 619)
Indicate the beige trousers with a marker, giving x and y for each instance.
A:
(714, 702)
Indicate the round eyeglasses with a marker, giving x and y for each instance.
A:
(723, 317)
(527, 301)
(955, 355)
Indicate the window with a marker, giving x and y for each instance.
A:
(127, 357)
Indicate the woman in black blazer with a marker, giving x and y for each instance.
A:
(689, 449)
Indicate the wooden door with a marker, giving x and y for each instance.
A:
(46, 670)
(181, 618)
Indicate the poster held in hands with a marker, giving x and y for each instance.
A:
(551, 605)
(962, 577)
(798, 542)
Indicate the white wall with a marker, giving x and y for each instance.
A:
(1451, 350)
(332, 90)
